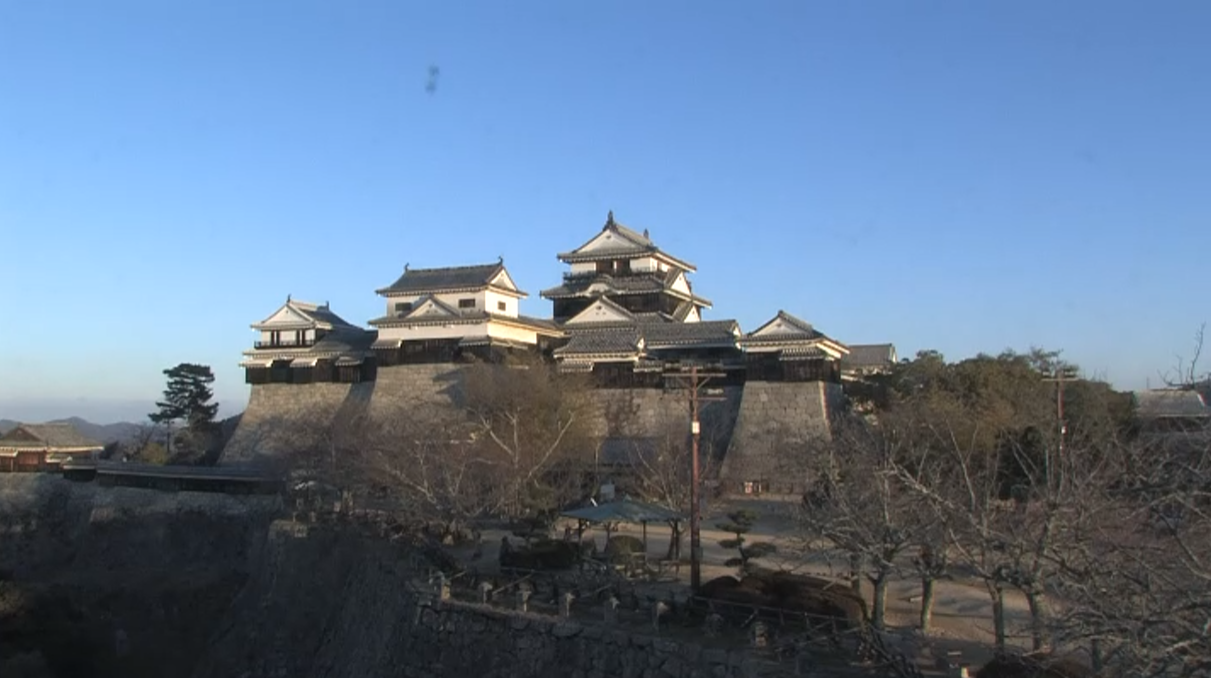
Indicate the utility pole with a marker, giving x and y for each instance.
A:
(1060, 374)
(696, 381)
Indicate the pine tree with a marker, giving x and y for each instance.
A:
(740, 523)
(187, 398)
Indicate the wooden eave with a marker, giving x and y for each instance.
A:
(620, 253)
(616, 357)
(692, 298)
(388, 292)
(468, 320)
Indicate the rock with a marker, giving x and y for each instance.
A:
(566, 629)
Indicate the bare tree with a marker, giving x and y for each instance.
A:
(1136, 571)
(1184, 373)
(431, 469)
(862, 507)
(662, 472)
(532, 421)
(965, 501)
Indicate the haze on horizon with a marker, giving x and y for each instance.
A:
(956, 176)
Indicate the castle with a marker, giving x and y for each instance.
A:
(625, 313)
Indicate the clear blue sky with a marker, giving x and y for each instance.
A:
(965, 176)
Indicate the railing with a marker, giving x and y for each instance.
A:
(285, 343)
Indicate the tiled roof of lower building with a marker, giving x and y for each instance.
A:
(39, 436)
(1170, 403)
(869, 355)
(617, 340)
(707, 332)
(655, 335)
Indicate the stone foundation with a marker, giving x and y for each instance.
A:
(759, 425)
(779, 426)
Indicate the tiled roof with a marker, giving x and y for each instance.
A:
(637, 283)
(450, 278)
(311, 315)
(625, 337)
(320, 313)
(869, 355)
(802, 353)
(345, 341)
(1170, 403)
(47, 435)
(616, 340)
(468, 316)
(712, 332)
(340, 341)
(630, 242)
(807, 332)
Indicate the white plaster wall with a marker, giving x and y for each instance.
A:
(583, 267)
(492, 300)
(484, 300)
(519, 334)
(680, 284)
(644, 264)
(442, 331)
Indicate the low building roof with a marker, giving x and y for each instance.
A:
(42, 436)
(1158, 403)
(624, 511)
(869, 355)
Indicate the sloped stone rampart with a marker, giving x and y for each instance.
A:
(757, 424)
(281, 417)
(779, 426)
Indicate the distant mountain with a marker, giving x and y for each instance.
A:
(102, 433)
(120, 432)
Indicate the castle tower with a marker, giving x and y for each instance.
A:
(627, 268)
(444, 314)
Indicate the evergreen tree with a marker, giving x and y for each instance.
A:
(740, 523)
(187, 398)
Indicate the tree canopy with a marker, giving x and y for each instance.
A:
(187, 398)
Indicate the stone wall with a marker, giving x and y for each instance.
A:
(115, 581)
(415, 388)
(326, 603)
(280, 417)
(755, 425)
(779, 426)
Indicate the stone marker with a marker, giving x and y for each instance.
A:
(523, 600)
(443, 587)
(485, 592)
(565, 604)
(658, 611)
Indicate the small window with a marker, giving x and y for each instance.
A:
(466, 303)
(501, 306)
(403, 307)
